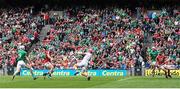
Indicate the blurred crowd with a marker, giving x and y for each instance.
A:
(19, 27)
(166, 37)
(118, 38)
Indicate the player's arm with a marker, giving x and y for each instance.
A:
(27, 58)
(149, 58)
(49, 57)
(166, 59)
(157, 57)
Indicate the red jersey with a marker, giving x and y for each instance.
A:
(46, 59)
(46, 17)
(160, 59)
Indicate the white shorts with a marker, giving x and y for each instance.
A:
(167, 66)
(21, 64)
(170, 66)
(81, 64)
(153, 63)
(162, 66)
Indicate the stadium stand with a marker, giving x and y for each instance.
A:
(121, 37)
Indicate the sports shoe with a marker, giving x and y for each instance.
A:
(34, 78)
(76, 73)
(169, 76)
(89, 78)
(49, 76)
(13, 77)
(45, 74)
(166, 76)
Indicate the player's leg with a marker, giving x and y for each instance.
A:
(165, 70)
(50, 68)
(169, 73)
(153, 70)
(159, 69)
(85, 73)
(168, 68)
(18, 68)
(76, 68)
(46, 66)
(31, 71)
(166, 73)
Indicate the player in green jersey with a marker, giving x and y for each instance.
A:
(22, 57)
(153, 53)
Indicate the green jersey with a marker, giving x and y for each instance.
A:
(153, 54)
(21, 55)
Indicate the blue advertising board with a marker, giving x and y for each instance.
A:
(26, 72)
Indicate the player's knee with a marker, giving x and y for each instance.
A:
(75, 66)
(84, 73)
(18, 70)
(52, 67)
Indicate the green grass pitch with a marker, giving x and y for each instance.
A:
(96, 82)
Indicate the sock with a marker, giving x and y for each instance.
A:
(15, 73)
(32, 74)
(169, 72)
(50, 73)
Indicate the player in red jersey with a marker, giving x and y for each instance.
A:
(161, 60)
(47, 63)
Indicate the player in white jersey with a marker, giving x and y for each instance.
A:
(84, 64)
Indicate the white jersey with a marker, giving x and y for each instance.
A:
(85, 60)
(87, 57)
